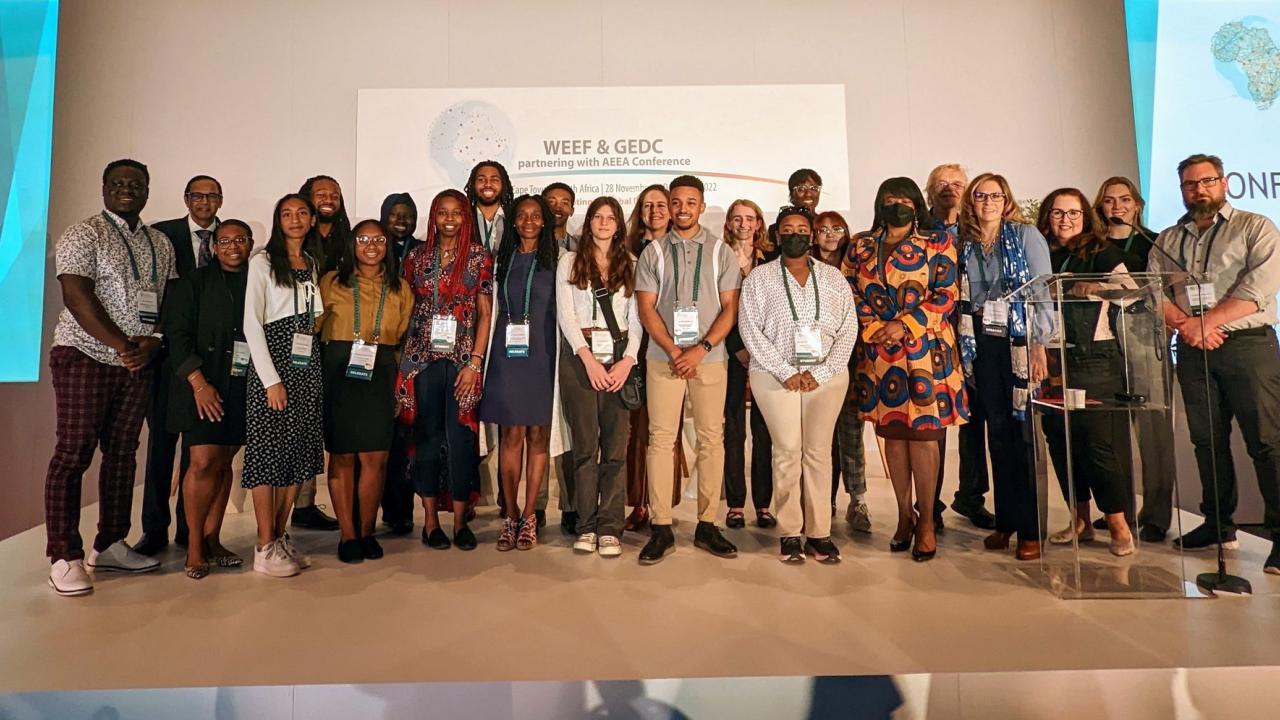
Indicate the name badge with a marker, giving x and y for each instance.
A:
(148, 307)
(518, 340)
(602, 345)
(995, 318)
(239, 358)
(808, 340)
(1201, 298)
(444, 333)
(687, 331)
(300, 353)
(360, 366)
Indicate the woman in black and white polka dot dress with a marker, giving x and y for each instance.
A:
(284, 419)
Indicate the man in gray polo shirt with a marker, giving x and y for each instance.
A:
(687, 290)
(1228, 358)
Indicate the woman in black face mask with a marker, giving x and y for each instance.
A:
(799, 323)
(909, 381)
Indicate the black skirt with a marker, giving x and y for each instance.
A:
(230, 430)
(359, 415)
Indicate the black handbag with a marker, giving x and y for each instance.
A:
(632, 392)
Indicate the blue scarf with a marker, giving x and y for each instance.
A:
(1014, 273)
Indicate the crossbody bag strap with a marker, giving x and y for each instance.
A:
(606, 309)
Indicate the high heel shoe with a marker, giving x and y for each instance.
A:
(921, 555)
(896, 545)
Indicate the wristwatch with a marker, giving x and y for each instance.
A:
(705, 345)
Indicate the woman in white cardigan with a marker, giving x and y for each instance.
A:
(594, 366)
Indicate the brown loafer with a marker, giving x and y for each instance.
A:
(997, 541)
(1028, 550)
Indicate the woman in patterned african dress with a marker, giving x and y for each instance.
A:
(909, 382)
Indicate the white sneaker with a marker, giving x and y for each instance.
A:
(121, 558)
(272, 560)
(303, 559)
(68, 578)
(586, 543)
(610, 546)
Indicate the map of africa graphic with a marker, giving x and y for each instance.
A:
(1248, 57)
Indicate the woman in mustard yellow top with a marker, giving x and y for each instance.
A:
(366, 311)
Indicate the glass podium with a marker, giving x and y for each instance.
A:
(1109, 381)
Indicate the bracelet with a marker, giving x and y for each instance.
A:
(202, 389)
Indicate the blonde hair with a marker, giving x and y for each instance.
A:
(970, 230)
(760, 241)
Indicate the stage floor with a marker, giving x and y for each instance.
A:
(421, 615)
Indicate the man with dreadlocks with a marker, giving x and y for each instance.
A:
(489, 192)
(324, 243)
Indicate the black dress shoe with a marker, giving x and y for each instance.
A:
(349, 552)
(312, 518)
(569, 522)
(182, 538)
(436, 539)
(977, 515)
(1204, 537)
(464, 539)
(400, 527)
(708, 537)
(1272, 564)
(542, 518)
(661, 542)
(370, 548)
(939, 525)
(151, 544)
(1151, 533)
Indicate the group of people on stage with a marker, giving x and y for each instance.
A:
(408, 357)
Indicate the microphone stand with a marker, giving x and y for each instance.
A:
(1220, 581)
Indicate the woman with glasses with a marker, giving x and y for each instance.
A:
(905, 279)
(439, 385)
(520, 389)
(1091, 359)
(831, 244)
(366, 311)
(1002, 357)
(799, 323)
(650, 219)
(202, 320)
(284, 422)
(746, 233)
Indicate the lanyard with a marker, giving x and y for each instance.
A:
(1129, 243)
(813, 280)
(528, 289)
(1182, 245)
(238, 318)
(404, 249)
(697, 271)
(1066, 261)
(488, 229)
(133, 262)
(377, 322)
(435, 286)
(980, 256)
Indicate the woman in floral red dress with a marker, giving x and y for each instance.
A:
(441, 366)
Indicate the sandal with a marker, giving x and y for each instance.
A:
(765, 519)
(197, 572)
(221, 556)
(735, 519)
(528, 533)
(507, 538)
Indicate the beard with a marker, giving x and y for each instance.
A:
(1204, 208)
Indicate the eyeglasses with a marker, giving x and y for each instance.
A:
(196, 197)
(371, 239)
(1059, 214)
(995, 197)
(833, 230)
(807, 188)
(229, 241)
(957, 186)
(1206, 183)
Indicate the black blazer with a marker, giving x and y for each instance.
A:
(178, 231)
(202, 320)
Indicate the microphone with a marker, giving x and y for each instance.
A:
(1119, 221)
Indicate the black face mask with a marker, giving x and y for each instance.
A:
(897, 215)
(794, 245)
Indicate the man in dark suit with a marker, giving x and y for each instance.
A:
(192, 238)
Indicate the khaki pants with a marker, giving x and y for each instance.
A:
(801, 426)
(665, 396)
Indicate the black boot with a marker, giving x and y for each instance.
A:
(661, 542)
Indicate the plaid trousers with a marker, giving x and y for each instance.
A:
(96, 404)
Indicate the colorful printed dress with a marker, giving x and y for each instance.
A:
(917, 385)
